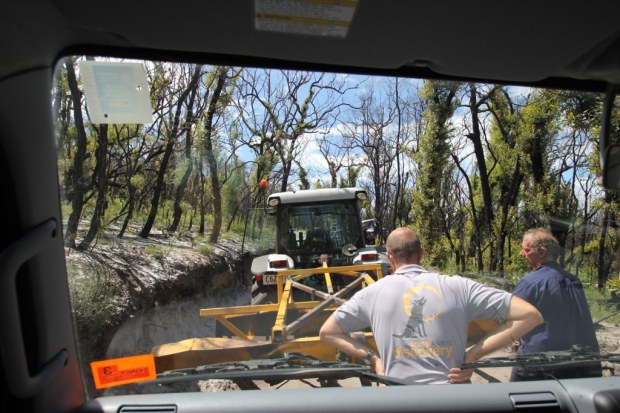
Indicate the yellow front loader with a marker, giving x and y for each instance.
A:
(271, 330)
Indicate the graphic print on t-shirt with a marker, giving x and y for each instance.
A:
(415, 324)
(413, 305)
(413, 341)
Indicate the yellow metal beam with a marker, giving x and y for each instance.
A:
(297, 324)
(232, 328)
(230, 312)
(278, 332)
(315, 347)
(239, 310)
(368, 279)
(315, 292)
(333, 270)
(328, 279)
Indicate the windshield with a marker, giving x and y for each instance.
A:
(320, 227)
(165, 169)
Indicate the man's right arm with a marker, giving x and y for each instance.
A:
(332, 334)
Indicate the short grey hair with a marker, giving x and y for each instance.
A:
(542, 237)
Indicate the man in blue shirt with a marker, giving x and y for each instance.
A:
(559, 297)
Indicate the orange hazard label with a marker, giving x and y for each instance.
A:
(114, 372)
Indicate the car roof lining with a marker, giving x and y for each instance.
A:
(574, 46)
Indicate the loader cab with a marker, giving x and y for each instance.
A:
(305, 229)
(308, 230)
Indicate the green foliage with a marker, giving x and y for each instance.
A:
(515, 269)
(438, 254)
(165, 215)
(92, 298)
(514, 275)
(209, 221)
(180, 171)
(432, 159)
(600, 305)
(157, 252)
(591, 247)
(539, 124)
(581, 110)
(303, 177)
(205, 249)
(65, 210)
(236, 228)
(613, 285)
(350, 177)
(232, 193)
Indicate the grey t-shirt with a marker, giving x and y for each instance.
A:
(419, 320)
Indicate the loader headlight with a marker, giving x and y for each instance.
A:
(273, 202)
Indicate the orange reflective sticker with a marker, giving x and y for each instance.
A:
(114, 372)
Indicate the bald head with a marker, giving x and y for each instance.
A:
(404, 246)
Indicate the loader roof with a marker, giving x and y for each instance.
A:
(318, 195)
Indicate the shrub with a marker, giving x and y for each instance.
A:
(205, 250)
(613, 285)
(156, 251)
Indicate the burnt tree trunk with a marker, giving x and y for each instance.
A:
(169, 149)
(189, 119)
(101, 183)
(216, 185)
(78, 187)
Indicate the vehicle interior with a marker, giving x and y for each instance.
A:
(569, 45)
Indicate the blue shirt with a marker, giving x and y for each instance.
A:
(560, 298)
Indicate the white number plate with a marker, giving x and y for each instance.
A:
(270, 279)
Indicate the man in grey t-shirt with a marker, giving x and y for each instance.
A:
(419, 319)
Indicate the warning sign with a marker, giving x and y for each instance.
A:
(114, 372)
